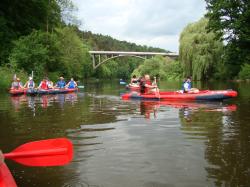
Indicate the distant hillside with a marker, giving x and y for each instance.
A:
(107, 43)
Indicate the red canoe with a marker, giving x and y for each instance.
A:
(17, 91)
(6, 178)
(208, 95)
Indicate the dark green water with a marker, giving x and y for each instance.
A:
(133, 143)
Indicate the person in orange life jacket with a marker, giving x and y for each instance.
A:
(61, 83)
(30, 83)
(16, 84)
(71, 84)
(146, 85)
(43, 84)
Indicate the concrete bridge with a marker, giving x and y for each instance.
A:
(100, 57)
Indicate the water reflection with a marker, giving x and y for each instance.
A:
(43, 101)
(150, 108)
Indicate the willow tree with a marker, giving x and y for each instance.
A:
(200, 51)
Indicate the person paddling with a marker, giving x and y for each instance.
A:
(16, 84)
(61, 83)
(134, 80)
(187, 86)
(1, 157)
(43, 84)
(30, 83)
(146, 85)
(71, 84)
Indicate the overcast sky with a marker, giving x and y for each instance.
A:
(156, 23)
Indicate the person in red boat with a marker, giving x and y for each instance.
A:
(16, 84)
(43, 84)
(30, 83)
(146, 85)
(1, 157)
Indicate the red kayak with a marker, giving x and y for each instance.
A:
(207, 95)
(17, 91)
(6, 178)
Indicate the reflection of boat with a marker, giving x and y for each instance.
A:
(43, 100)
(208, 106)
(148, 107)
(6, 178)
(209, 95)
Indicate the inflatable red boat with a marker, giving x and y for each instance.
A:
(15, 92)
(208, 95)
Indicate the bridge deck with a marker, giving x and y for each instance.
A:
(131, 53)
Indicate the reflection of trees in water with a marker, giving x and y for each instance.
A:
(227, 146)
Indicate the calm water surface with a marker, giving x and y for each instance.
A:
(133, 143)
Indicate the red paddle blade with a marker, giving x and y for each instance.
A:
(51, 152)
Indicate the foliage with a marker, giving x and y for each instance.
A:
(41, 52)
(162, 67)
(231, 21)
(34, 52)
(245, 71)
(200, 52)
(21, 17)
(73, 53)
(107, 43)
(7, 74)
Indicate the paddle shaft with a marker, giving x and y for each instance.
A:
(37, 153)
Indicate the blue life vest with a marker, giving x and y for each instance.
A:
(71, 84)
(61, 84)
(189, 86)
(31, 84)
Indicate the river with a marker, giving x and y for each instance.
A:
(133, 143)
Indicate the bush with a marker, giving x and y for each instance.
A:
(7, 75)
(245, 72)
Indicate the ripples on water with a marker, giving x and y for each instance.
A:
(131, 143)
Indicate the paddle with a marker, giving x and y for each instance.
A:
(50, 152)
(157, 91)
(80, 86)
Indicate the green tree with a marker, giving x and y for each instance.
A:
(231, 21)
(21, 17)
(73, 53)
(245, 71)
(159, 66)
(33, 52)
(200, 51)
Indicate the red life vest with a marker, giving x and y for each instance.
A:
(44, 85)
(148, 82)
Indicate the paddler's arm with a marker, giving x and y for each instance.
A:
(1, 157)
